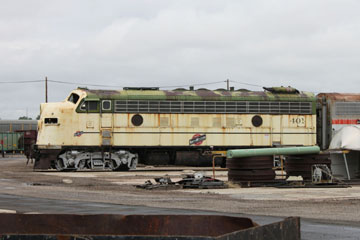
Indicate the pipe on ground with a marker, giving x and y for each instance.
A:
(238, 153)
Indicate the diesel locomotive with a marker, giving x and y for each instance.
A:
(115, 130)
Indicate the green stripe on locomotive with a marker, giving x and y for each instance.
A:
(200, 95)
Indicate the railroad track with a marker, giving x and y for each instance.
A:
(151, 169)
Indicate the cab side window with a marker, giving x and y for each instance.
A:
(90, 106)
(93, 106)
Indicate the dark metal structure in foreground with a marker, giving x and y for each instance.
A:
(63, 226)
(250, 169)
(257, 164)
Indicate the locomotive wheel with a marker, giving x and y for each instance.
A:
(249, 163)
(251, 175)
(113, 165)
(122, 168)
(59, 165)
(82, 165)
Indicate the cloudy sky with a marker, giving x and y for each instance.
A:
(311, 45)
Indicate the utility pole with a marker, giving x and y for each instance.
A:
(227, 84)
(46, 90)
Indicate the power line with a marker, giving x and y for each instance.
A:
(54, 81)
(31, 81)
(77, 83)
(249, 84)
(196, 84)
(103, 85)
(118, 86)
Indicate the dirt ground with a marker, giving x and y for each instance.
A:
(337, 205)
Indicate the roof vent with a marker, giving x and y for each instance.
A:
(82, 88)
(179, 89)
(284, 90)
(243, 90)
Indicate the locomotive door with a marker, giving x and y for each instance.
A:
(276, 129)
(106, 122)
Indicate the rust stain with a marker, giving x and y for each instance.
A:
(251, 136)
(176, 93)
(226, 93)
(340, 96)
(176, 120)
(308, 122)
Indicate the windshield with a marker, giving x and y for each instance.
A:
(73, 98)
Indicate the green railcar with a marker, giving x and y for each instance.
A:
(10, 141)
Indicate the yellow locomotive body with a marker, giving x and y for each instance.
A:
(97, 124)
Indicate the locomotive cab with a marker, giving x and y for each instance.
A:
(56, 119)
(72, 135)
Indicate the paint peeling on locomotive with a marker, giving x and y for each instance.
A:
(132, 120)
(198, 95)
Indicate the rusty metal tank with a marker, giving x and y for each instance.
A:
(185, 227)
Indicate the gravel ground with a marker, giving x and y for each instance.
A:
(335, 205)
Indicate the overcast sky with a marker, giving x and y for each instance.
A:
(313, 45)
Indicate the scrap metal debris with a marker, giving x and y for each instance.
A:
(321, 174)
(199, 180)
(160, 183)
(195, 180)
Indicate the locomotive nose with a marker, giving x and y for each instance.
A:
(50, 112)
(41, 107)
